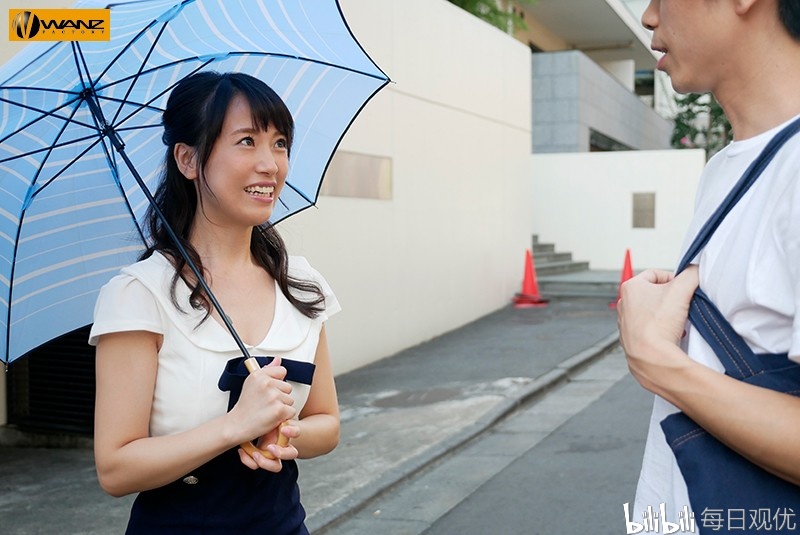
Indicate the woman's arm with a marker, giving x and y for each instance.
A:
(319, 419)
(128, 459)
(758, 423)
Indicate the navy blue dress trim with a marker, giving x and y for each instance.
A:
(235, 373)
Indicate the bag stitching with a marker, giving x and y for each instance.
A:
(714, 334)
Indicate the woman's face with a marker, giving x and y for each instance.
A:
(245, 172)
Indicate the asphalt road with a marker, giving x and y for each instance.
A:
(562, 465)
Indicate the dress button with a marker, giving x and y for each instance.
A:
(190, 480)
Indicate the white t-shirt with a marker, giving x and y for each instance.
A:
(750, 269)
(194, 353)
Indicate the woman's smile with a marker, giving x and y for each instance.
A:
(261, 192)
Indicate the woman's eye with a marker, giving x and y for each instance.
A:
(249, 141)
(281, 144)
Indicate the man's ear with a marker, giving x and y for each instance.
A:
(186, 158)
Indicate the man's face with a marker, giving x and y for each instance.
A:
(697, 39)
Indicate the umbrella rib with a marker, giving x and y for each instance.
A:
(31, 194)
(44, 114)
(141, 68)
(207, 60)
(42, 89)
(147, 105)
(128, 45)
(60, 172)
(303, 195)
(112, 164)
(51, 147)
(77, 53)
(139, 105)
(114, 167)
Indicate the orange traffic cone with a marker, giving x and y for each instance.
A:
(627, 273)
(529, 297)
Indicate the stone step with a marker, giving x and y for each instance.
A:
(586, 283)
(555, 268)
(559, 275)
(543, 248)
(548, 261)
(540, 258)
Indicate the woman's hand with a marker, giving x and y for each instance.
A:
(265, 403)
(653, 309)
(269, 442)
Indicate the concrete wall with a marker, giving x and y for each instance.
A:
(573, 95)
(583, 203)
(447, 247)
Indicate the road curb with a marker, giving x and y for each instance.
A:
(338, 512)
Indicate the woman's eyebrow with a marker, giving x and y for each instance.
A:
(245, 130)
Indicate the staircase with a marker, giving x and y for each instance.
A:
(558, 275)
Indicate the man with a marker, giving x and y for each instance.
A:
(747, 53)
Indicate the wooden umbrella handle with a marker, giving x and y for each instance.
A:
(252, 365)
(250, 448)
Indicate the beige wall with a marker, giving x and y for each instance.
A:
(583, 203)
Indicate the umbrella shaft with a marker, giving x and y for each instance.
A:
(116, 140)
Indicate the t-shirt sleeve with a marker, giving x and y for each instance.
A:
(125, 304)
(791, 242)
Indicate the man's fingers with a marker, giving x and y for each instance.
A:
(657, 276)
(687, 281)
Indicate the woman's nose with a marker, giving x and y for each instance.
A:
(267, 162)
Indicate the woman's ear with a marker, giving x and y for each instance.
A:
(744, 6)
(186, 158)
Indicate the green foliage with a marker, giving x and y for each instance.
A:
(490, 11)
(700, 123)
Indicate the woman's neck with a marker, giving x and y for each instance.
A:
(222, 249)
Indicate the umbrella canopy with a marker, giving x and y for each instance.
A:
(80, 137)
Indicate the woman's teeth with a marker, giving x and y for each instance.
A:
(260, 190)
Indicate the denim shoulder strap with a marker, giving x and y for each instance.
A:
(737, 192)
(735, 355)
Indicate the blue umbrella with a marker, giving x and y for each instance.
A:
(80, 137)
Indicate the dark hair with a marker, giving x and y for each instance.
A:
(194, 115)
(789, 12)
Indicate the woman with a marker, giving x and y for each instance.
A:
(162, 425)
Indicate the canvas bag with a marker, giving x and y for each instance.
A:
(718, 479)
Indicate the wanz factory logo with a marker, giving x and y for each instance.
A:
(59, 25)
(26, 25)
